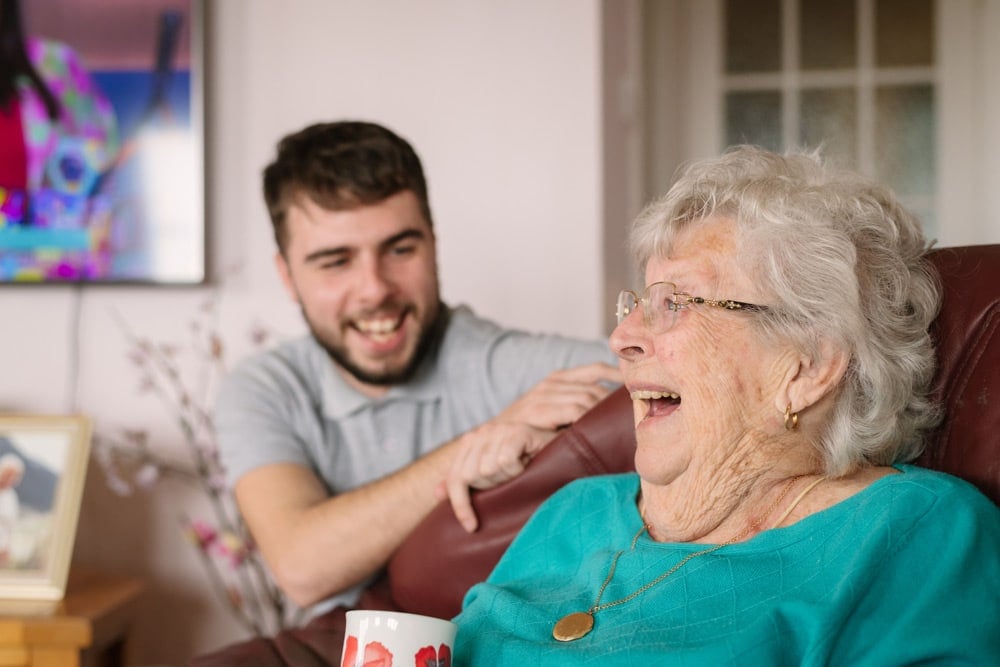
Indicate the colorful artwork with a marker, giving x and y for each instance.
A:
(107, 186)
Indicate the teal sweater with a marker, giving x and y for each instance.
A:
(905, 572)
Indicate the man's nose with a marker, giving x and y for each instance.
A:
(374, 282)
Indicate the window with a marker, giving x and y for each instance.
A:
(907, 91)
(855, 76)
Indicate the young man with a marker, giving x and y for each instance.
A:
(339, 443)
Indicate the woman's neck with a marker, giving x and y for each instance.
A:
(722, 509)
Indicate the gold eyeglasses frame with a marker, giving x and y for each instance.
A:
(663, 317)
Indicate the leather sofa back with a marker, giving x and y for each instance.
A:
(967, 384)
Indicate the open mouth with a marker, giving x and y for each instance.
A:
(658, 403)
(380, 329)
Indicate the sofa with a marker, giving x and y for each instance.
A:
(437, 564)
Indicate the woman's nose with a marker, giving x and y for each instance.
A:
(630, 339)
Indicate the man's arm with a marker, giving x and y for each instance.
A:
(316, 545)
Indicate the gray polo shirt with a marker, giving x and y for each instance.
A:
(291, 405)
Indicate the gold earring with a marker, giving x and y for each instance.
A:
(791, 418)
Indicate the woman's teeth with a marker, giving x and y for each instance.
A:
(646, 395)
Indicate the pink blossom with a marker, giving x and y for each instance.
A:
(147, 476)
(207, 448)
(118, 485)
(202, 534)
(231, 547)
(216, 481)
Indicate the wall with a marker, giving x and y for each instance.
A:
(502, 100)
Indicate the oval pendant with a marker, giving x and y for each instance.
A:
(573, 626)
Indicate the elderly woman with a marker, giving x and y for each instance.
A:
(778, 361)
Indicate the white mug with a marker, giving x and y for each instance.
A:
(397, 639)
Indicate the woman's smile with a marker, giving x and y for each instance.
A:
(657, 403)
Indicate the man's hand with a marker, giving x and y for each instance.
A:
(562, 397)
(489, 456)
(500, 449)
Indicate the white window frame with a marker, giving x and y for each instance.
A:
(687, 54)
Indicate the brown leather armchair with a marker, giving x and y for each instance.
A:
(438, 563)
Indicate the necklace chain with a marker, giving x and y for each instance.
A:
(597, 606)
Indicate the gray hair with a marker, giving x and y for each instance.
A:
(841, 261)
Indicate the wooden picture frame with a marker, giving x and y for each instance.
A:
(43, 463)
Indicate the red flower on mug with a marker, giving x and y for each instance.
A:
(376, 654)
(428, 657)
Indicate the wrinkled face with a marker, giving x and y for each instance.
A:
(366, 280)
(703, 391)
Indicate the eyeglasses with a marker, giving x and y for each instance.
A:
(661, 302)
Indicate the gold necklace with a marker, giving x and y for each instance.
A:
(578, 624)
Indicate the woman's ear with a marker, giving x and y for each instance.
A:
(814, 378)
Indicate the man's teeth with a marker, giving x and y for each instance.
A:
(378, 327)
(646, 394)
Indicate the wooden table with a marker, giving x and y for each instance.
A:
(88, 628)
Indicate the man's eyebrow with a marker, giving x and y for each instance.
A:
(326, 253)
(405, 235)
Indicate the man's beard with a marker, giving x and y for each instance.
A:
(428, 338)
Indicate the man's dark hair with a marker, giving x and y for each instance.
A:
(341, 166)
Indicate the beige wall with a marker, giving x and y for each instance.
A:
(502, 101)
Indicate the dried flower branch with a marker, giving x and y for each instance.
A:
(130, 461)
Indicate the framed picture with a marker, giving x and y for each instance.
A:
(102, 179)
(43, 461)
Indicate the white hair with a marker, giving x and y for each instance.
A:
(841, 261)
